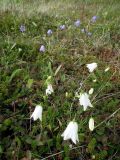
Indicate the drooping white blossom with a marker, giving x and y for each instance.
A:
(49, 89)
(91, 124)
(71, 132)
(85, 101)
(37, 114)
(91, 67)
(91, 91)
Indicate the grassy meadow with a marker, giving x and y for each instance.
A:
(26, 70)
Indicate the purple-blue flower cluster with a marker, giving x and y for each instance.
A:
(77, 23)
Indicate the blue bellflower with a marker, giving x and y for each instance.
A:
(94, 18)
(77, 23)
(62, 27)
(49, 32)
(42, 48)
(22, 28)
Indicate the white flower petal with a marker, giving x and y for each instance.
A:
(85, 108)
(84, 101)
(75, 135)
(71, 132)
(49, 89)
(91, 67)
(37, 114)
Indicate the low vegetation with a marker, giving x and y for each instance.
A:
(46, 44)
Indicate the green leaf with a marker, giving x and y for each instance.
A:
(29, 83)
(57, 70)
(1, 150)
(102, 155)
(7, 122)
(82, 137)
(15, 73)
(91, 145)
(66, 150)
(18, 141)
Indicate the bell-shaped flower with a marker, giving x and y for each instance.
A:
(37, 114)
(62, 27)
(71, 132)
(22, 28)
(91, 91)
(42, 48)
(91, 67)
(49, 32)
(94, 18)
(49, 89)
(85, 101)
(77, 23)
(91, 124)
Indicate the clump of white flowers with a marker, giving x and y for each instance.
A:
(71, 132)
(37, 114)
